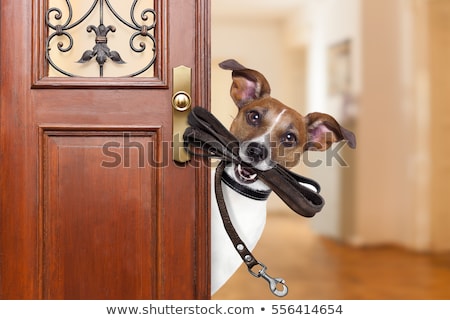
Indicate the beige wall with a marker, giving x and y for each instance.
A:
(439, 44)
(389, 155)
(399, 171)
(402, 171)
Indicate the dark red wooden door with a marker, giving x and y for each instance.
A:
(92, 206)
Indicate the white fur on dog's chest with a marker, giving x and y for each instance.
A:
(248, 217)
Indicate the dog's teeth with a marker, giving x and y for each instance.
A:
(245, 176)
(253, 176)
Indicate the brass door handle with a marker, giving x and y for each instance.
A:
(181, 103)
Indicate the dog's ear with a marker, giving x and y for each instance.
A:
(323, 130)
(248, 85)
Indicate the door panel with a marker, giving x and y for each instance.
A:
(88, 251)
(92, 206)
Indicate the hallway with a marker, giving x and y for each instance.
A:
(318, 268)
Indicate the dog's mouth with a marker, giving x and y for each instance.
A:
(245, 175)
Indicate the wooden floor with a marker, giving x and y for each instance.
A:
(318, 268)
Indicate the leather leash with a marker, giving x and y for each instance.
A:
(239, 245)
(209, 135)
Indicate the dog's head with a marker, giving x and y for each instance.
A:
(271, 132)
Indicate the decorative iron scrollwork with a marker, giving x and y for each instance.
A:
(100, 50)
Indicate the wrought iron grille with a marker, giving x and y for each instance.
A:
(60, 28)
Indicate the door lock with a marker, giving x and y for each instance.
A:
(181, 103)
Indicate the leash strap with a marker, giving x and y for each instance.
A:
(239, 245)
(208, 134)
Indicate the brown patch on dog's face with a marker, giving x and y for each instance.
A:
(281, 129)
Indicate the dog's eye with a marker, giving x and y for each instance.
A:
(289, 140)
(254, 118)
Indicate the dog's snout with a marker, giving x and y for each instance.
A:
(257, 152)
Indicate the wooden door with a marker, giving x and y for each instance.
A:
(92, 206)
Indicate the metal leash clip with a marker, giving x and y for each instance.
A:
(273, 282)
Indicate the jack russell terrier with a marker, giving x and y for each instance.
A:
(269, 132)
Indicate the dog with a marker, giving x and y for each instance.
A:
(269, 132)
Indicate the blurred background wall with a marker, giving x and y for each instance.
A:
(381, 68)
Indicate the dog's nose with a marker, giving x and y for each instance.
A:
(257, 152)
